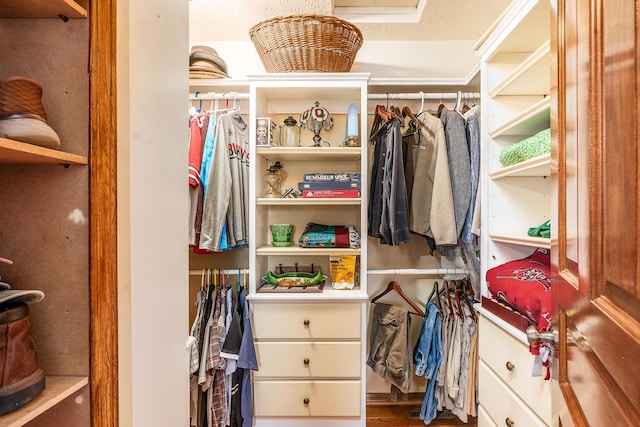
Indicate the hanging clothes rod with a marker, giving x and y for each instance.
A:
(422, 95)
(418, 271)
(227, 271)
(205, 96)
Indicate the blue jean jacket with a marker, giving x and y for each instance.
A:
(427, 356)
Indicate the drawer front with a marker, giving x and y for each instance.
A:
(484, 420)
(511, 360)
(501, 403)
(307, 398)
(308, 359)
(306, 321)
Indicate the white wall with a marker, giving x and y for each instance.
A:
(153, 307)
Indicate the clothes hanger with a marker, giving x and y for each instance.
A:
(448, 295)
(395, 286)
(435, 291)
(457, 299)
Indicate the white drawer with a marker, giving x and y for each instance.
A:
(308, 359)
(503, 405)
(511, 360)
(307, 398)
(306, 321)
(484, 420)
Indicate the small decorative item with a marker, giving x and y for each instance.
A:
(282, 234)
(274, 177)
(351, 138)
(315, 119)
(265, 127)
(289, 133)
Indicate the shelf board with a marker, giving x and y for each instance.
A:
(327, 294)
(522, 240)
(531, 77)
(301, 201)
(16, 152)
(310, 153)
(528, 122)
(43, 9)
(538, 166)
(268, 250)
(57, 389)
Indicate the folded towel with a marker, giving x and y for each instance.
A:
(534, 146)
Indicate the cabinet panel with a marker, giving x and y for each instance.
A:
(484, 420)
(512, 362)
(308, 359)
(502, 403)
(307, 398)
(306, 321)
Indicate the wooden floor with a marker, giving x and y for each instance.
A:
(405, 412)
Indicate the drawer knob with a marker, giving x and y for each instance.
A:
(306, 322)
(306, 401)
(306, 361)
(510, 367)
(509, 422)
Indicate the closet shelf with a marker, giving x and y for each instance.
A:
(43, 9)
(538, 166)
(328, 294)
(531, 77)
(57, 389)
(526, 123)
(269, 250)
(310, 153)
(418, 271)
(16, 152)
(301, 201)
(522, 240)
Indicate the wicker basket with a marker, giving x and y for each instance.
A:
(306, 43)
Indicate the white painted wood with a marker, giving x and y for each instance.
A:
(324, 398)
(484, 420)
(308, 359)
(306, 321)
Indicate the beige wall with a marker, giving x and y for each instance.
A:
(152, 212)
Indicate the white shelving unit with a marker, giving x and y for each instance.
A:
(516, 104)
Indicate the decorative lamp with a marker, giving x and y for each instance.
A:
(315, 119)
(274, 177)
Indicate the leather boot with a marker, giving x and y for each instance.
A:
(21, 378)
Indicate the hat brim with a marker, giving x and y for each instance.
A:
(206, 73)
(30, 130)
(21, 295)
(206, 56)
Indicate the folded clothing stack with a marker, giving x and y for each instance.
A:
(329, 236)
(534, 146)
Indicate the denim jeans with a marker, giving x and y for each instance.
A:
(389, 352)
(427, 356)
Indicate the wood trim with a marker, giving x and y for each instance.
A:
(103, 168)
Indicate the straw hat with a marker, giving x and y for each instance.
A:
(204, 62)
(22, 115)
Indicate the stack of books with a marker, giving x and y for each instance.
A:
(330, 185)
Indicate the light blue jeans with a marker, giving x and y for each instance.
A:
(427, 356)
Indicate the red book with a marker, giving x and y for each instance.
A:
(330, 194)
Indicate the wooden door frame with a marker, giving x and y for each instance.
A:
(103, 205)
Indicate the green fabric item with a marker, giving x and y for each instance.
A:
(534, 146)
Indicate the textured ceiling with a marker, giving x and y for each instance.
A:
(438, 20)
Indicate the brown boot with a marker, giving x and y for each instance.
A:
(21, 378)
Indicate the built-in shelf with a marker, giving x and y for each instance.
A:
(531, 77)
(522, 240)
(43, 9)
(20, 153)
(328, 294)
(310, 153)
(302, 201)
(57, 389)
(538, 166)
(526, 123)
(269, 250)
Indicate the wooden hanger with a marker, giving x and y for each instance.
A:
(454, 288)
(448, 295)
(395, 286)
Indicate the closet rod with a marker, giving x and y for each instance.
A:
(422, 95)
(204, 96)
(418, 271)
(227, 271)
